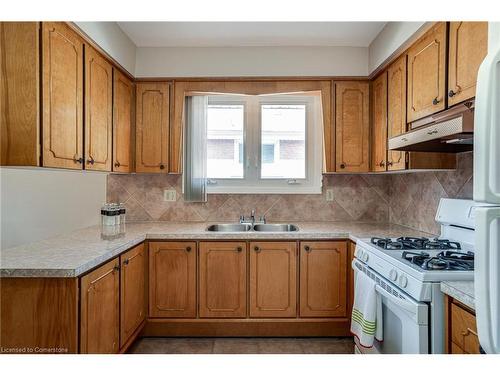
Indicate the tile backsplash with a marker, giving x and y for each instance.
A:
(408, 199)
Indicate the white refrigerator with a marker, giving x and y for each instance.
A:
(487, 194)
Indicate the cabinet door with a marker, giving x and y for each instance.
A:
(152, 122)
(19, 93)
(351, 246)
(123, 99)
(132, 291)
(172, 279)
(464, 330)
(352, 126)
(468, 48)
(273, 279)
(62, 67)
(98, 111)
(379, 116)
(396, 110)
(323, 279)
(100, 310)
(223, 285)
(426, 74)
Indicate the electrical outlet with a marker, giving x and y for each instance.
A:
(329, 195)
(169, 195)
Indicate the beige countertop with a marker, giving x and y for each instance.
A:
(75, 253)
(462, 291)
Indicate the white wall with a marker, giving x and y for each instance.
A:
(113, 40)
(393, 39)
(251, 61)
(38, 203)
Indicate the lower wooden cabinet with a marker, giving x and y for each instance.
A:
(273, 279)
(172, 279)
(132, 292)
(223, 280)
(351, 247)
(323, 279)
(461, 332)
(100, 310)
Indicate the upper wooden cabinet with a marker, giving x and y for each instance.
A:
(352, 126)
(396, 110)
(427, 74)
(152, 127)
(468, 48)
(98, 111)
(323, 279)
(273, 279)
(379, 118)
(133, 265)
(62, 84)
(19, 93)
(223, 279)
(100, 309)
(123, 105)
(172, 279)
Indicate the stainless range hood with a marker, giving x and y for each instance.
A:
(449, 131)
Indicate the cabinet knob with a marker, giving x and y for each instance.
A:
(117, 164)
(451, 93)
(389, 163)
(79, 160)
(162, 166)
(257, 249)
(188, 249)
(91, 161)
(381, 164)
(126, 261)
(436, 101)
(342, 165)
(239, 249)
(307, 248)
(116, 268)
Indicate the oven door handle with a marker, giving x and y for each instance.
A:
(405, 305)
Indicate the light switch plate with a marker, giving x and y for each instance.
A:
(329, 195)
(169, 195)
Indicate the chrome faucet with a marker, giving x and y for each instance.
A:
(251, 219)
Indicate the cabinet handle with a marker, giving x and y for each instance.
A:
(188, 249)
(117, 164)
(342, 165)
(91, 161)
(257, 249)
(80, 160)
(381, 164)
(451, 93)
(307, 248)
(126, 261)
(239, 249)
(389, 163)
(436, 101)
(116, 268)
(162, 166)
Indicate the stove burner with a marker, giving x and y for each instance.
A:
(415, 243)
(445, 260)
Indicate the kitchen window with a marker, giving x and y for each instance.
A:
(264, 144)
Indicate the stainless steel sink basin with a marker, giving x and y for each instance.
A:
(229, 228)
(275, 228)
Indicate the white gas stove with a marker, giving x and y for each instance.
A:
(408, 272)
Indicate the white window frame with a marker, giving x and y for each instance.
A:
(252, 183)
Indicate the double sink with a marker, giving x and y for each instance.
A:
(254, 227)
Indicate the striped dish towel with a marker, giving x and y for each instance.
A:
(366, 320)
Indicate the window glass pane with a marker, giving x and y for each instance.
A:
(225, 140)
(283, 141)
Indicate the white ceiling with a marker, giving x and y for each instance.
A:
(246, 34)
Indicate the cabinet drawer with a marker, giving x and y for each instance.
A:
(463, 330)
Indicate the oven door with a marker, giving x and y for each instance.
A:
(405, 320)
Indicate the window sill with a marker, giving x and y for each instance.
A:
(294, 189)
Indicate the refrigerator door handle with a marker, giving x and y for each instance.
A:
(487, 131)
(487, 277)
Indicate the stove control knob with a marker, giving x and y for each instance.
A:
(403, 281)
(393, 275)
(365, 257)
